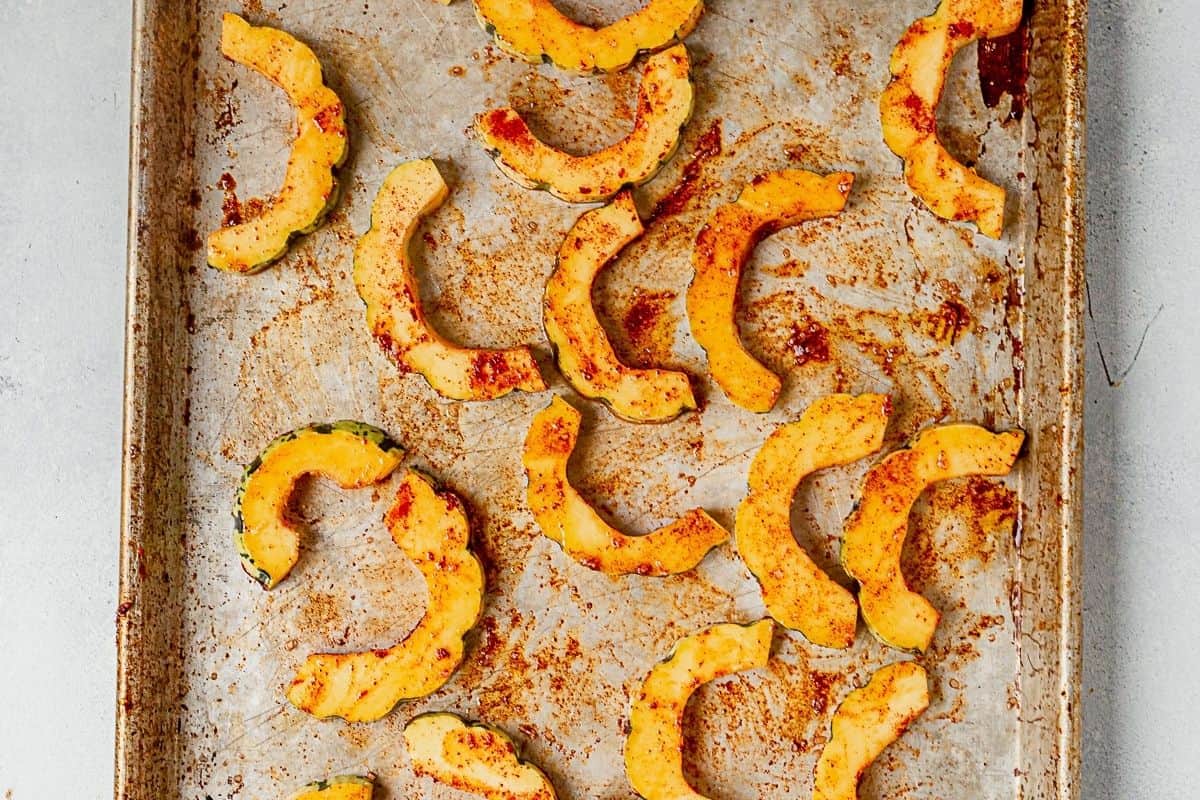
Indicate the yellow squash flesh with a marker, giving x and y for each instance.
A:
(473, 758)
(770, 202)
(309, 187)
(664, 105)
(875, 531)
(430, 526)
(798, 594)
(537, 31)
(564, 516)
(383, 275)
(908, 109)
(351, 454)
(653, 749)
(581, 346)
(866, 722)
(343, 787)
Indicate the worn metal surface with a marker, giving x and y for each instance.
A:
(882, 298)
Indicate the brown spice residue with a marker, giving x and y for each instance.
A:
(707, 147)
(809, 341)
(649, 328)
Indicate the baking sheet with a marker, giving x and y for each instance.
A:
(882, 298)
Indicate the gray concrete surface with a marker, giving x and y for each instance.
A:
(63, 135)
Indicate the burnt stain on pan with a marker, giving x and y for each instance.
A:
(1004, 66)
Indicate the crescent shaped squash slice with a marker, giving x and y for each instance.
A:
(430, 525)
(653, 748)
(875, 531)
(474, 758)
(564, 516)
(309, 187)
(908, 109)
(351, 454)
(664, 105)
(535, 30)
(768, 203)
(867, 721)
(581, 347)
(383, 275)
(834, 430)
(343, 787)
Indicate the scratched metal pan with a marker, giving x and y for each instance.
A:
(883, 298)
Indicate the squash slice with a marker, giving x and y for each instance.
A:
(564, 516)
(908, 109)
(535, 30)
(770, 202)
(664, 105)
(430, 526)
(383, 275)
(309, 187)
(473, 758)
(875, 531)
(581, 346)
(832, 431)
(652, 750)
(352, 454)
(343, 787)
(867, 721)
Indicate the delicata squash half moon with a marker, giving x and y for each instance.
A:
(430, 525)
(383, 275)
(867, 721)
(473, 758)
(343, 787)
(537, 31)
(874, 534)
(768, 203)
(581, 347)
(352, 454)
(309, 187)
(653, 760)
(908, 109)
(564, 516)
(664, 105)
(834, 430)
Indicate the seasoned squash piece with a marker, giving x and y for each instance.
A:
(309, 187)
(343, 787)
(770, 202)
(352, 454)
(834, 430)
(430, 526)
(908, 109)
(473, 758)
(653, 749)
(566, 517)
(866, 722)
(875, 532)
(664, 105)
(581, 346)
(537, 31)
(383, 274)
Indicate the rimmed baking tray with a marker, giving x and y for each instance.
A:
(882, 298)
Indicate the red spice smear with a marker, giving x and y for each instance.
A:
(487, 368)
(953, 318)
(707, 147)
(809, 342)
(1004, 66)
(402, 506)
(507, 125)
(644, 319)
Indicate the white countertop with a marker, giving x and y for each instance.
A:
(64, 95)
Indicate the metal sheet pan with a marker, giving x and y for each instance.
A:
(956, 327)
